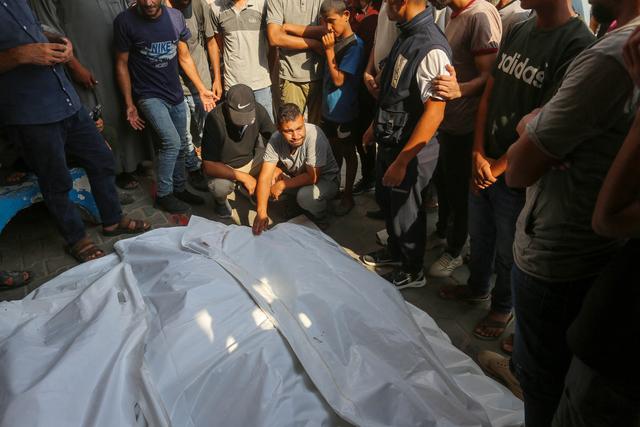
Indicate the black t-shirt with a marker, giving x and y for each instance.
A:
(529, 68)
(224, 142)
(606, 332)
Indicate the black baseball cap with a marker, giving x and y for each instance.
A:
(241, 104)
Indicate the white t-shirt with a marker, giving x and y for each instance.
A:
(432, 65)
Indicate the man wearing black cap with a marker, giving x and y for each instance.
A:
(231, 145)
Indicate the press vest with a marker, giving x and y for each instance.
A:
(400, 105)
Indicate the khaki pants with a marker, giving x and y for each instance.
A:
(305, 95)
(221, 188)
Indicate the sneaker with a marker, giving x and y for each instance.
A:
(402, 279)
(375, 214)
(190, 198)
(171, 204)
(445, 265)
(223, 210)
(198, 180)
(363, 186)
(497, 367)
(435, 241)
(379, 258)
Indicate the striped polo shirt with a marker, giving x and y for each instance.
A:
(245, 45)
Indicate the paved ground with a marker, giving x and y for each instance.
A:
(31, 241)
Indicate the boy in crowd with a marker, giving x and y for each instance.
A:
(232, 147)
(406, 120)
(474, 33)
(345, 53)
(298, 161)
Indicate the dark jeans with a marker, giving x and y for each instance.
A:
(591, 399)
(45, 147)
(452, 182)
(492, 225)
(541, 354)
(405, 220)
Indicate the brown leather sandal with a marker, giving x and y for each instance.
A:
(85, 250)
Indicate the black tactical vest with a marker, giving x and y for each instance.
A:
(400, 105)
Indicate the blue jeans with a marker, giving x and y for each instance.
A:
(541, 354)
(170, 124)
(492, 225)
(195, 120)
(44, 148)
(264, 98)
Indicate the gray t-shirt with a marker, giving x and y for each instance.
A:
(296, 65)
(315, 151)
(245, 45)
(584, 124)
(198, 19)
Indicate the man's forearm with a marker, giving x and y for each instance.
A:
(189, 68)
(220, 170)
(481, 118)
(124, 81)
(308, 31)
(423, 132)
(299, 181)
(337, 76)
(263, 190)
(214, 58)
(474, 86)
(370, 69)
(279, 38)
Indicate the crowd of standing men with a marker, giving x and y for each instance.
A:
(524, 122)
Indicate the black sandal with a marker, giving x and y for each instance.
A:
(14, 279)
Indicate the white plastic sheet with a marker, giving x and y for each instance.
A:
(210, 326)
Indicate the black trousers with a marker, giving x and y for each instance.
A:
(405, 220)
(45, 148)
(452, 182)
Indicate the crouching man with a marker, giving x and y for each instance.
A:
(297, 161)
(232, 146)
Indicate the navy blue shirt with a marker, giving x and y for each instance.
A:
(31, 94)
(153, 52)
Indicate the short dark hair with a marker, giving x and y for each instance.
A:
(288, 112)
(328, 6)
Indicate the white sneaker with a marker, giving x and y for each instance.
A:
(445, 265)
(435, 241)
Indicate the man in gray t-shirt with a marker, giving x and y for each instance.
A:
(300, 70)
(562, 156)
(298, 159)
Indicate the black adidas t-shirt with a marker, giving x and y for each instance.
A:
(528, 71)
(224, 142)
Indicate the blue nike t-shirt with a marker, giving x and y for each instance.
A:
(340, 104)
(153, 52)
